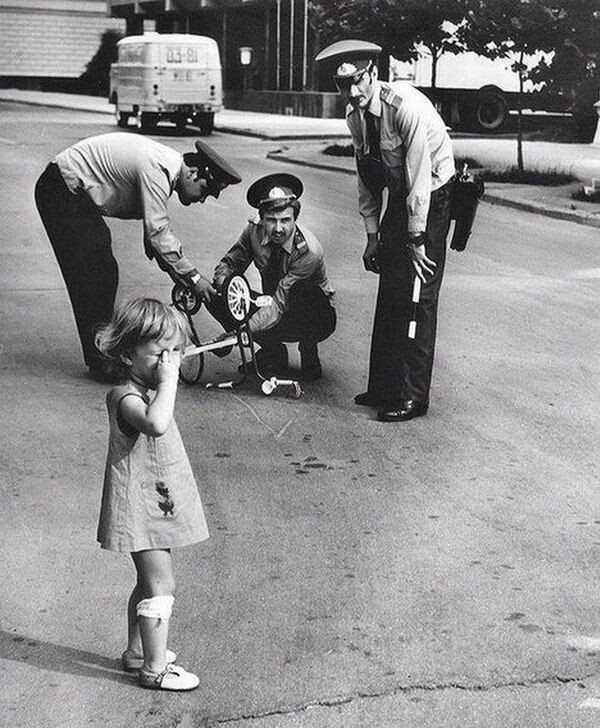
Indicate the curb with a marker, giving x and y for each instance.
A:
(487, 197)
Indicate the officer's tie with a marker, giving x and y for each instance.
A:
(273, 272)
(372, 134)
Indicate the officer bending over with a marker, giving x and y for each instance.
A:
(128, 177)
(292, 270)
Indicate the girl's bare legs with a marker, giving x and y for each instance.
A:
(155, 578)
(134, 639)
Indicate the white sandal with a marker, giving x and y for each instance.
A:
(173, 677)
(132, 662)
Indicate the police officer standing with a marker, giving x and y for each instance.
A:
(401, 143)
(128, 177)
(291, 264)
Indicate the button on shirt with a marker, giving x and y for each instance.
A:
(416, 151)
(301, 259)
(132, 178)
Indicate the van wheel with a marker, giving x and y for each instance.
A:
(146, 121)
(121, 118)
(205, 122)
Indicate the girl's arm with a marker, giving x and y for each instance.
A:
(154, 418)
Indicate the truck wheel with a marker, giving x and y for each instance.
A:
(491, 111)
(205, 122)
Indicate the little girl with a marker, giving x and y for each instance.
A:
(150, 501)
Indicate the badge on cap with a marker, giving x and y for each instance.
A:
(347, 69)
(277, 189)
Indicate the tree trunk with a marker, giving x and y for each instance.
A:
(520, 116)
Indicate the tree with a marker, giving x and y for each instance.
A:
(518, 28)
(573, 73)
(396, 25)
(96, 77)
(430, 22)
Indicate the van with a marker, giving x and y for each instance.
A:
(170, 76)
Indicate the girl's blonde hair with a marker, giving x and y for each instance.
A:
(137, 321)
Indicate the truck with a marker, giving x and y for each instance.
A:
(167, 76)
(471, 91)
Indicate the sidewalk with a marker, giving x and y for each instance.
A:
(581, 160)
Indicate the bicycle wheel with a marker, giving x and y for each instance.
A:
(185, 299)
(236, 293)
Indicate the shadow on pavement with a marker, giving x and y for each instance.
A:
(48, 656)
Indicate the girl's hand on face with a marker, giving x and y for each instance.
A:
(167, 368)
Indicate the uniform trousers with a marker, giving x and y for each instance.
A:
(309, 318)
(400, 368)
(82, 244)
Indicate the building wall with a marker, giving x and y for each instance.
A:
(51, 38)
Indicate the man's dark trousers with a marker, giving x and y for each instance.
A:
(82, 245)
(310, 317)
(400, 368)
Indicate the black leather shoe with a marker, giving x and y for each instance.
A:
(272, 361)
(310, 366)
(408, 410)
(367, 399)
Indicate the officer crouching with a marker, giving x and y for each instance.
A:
(292, 269)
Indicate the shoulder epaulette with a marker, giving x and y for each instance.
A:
(390, 96)
(300, 243)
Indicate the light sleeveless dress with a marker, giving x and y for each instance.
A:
(150, 499)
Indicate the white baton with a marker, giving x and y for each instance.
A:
(416, 296)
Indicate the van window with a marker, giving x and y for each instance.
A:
(131, 53)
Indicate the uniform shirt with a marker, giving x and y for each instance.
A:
(129, 177)
(416, 151)
(302, 259)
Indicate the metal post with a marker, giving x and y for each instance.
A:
(278, 69)
(305, 46)
(267, 64)
(291, 84)
(224, 50)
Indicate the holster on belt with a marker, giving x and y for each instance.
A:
(465, 192)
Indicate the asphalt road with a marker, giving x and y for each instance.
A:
(442, 572)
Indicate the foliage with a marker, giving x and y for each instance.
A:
(573, 74)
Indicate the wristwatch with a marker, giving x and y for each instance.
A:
(416, 240)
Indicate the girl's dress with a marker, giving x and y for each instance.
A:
(150, 499)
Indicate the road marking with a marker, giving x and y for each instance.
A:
(591, 703)
(586, 273)
(584, 642)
